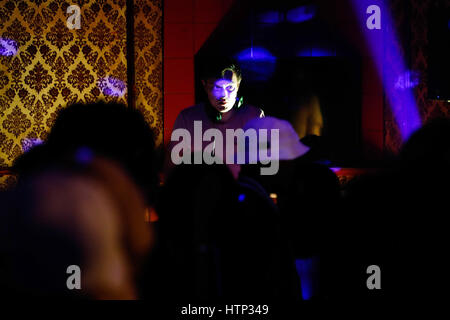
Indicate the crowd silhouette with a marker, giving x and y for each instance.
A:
(84, 196)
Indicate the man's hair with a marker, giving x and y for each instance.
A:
(216, 67)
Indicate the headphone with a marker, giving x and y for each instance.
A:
(216, 116)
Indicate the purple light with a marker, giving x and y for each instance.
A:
(409, 79)
(316, 52)
(241, 197)
(113, 87)
(307, 272)
(270, 17)
(29, 143)
(301, 14)
(402, 101)
(8, 47)
(257, 63)
(323, 162)
(84, 155)
(335, 169)
(255, 54)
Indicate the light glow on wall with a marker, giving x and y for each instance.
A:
(112, 86)
(409, 79)
(29, 143)
(257, 63)
(301, 14)
(8, 47)
(390, 67)
(316, 52)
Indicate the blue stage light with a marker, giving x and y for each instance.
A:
(301, 14)
(390, 66)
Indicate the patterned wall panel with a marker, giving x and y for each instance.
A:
(55, 66)
(411, 23)
(49, 66)
(148, 63)
(394, 47)
(428, 108)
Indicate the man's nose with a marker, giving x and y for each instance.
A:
(222, 93)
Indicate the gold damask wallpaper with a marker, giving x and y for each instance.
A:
(45, 66)
(148, 22)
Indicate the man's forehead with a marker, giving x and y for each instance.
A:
(226, 79)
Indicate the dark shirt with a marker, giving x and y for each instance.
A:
(198, 112)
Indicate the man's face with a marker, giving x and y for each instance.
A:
(222, 92)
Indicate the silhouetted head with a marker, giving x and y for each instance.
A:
(110, 130)
(429, 145)
(90, 216)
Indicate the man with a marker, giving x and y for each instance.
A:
(222, 110)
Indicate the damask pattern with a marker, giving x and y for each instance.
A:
(414, 41)
(148, 63)
(55, 66)
(428, 109)
(392, 135)
(7, 181)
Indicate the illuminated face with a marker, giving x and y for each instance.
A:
(222, 92)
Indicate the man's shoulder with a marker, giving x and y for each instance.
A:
(251, 107)
(252, 111)
(187, 116)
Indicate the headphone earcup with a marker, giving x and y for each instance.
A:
(240, 102)
(213, 115)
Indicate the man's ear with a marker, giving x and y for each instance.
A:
(204, 84)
